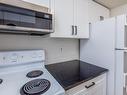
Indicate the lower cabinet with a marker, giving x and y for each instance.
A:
(96, 86)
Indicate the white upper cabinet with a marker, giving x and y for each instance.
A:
(70, 19)
(63, 18)
(81, 18)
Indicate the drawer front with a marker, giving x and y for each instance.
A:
(84, 88)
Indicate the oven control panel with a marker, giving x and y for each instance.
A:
(19, 57)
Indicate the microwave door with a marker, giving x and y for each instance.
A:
(20, 20)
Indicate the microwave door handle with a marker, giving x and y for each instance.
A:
(10, 24)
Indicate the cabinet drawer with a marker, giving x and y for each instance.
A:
(84, 88)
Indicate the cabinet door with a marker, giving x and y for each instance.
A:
(84, 93)
(63, 18)
(98, 89)
(96, 86)
(81, 19)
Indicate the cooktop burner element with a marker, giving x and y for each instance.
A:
(35, 87)
(1, 81)
(34, 74)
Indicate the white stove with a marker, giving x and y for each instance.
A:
(24, 73)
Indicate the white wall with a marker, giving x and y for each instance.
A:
(96, 10)
(45, 3)
(23, 4)
(70, 47)
(57, 50)
(119, 10)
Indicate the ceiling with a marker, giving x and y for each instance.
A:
(111, 3)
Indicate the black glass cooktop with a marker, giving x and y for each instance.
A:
(73, 73)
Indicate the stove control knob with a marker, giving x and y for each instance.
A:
(2, 59)
(14, 58)
(34, 55)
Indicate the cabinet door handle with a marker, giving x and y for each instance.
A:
(76, 31)
(93, 83)
(73, 29)
(90, 29)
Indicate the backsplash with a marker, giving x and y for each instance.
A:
(57, 50)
